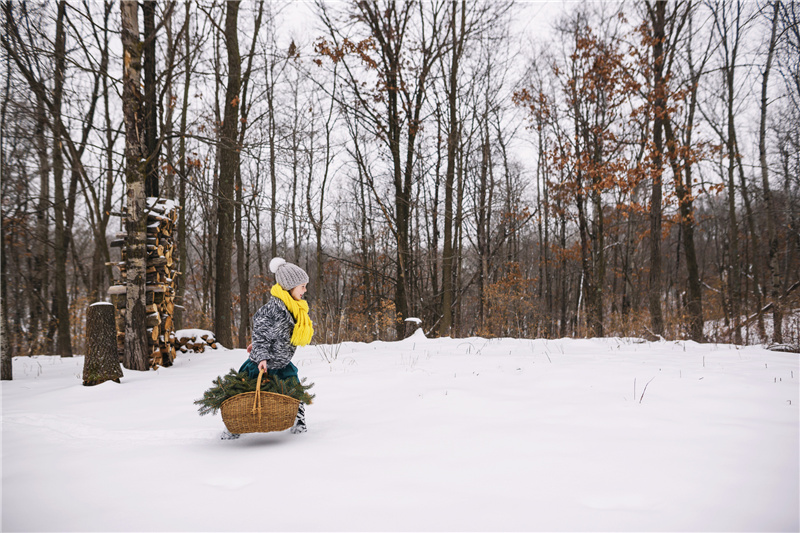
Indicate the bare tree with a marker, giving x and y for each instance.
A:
(60, 297)
(682, 155)
(658, 21)
(242, 253)
(729, 25)
(458, 35)
(150, 107)
(183, 245)
(772, 234)
(229, 163)
(403, 88)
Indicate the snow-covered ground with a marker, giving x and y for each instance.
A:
(422, 434)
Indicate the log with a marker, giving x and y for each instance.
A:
(153, 218)
(118, 289)
(152, 320)
(102, 359)
(155, 358)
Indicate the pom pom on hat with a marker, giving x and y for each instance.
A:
(287, 275)
(276, 263)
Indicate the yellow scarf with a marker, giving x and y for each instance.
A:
(303, 328)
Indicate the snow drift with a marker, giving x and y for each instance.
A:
(421, 434)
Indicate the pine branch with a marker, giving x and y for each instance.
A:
(234, 383)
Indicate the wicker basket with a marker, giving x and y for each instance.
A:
(259, 412)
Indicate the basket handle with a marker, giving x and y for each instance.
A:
(257, 401)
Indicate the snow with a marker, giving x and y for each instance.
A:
(421, 434)
(193, 333)
(168, 204)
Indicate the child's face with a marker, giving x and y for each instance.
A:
(298, 292)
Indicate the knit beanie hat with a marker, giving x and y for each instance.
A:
(287, 275)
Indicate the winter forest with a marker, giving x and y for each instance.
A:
(499, 169)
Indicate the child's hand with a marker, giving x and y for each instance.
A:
(262, 366)
(249, 348)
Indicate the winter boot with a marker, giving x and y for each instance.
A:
(300, 422)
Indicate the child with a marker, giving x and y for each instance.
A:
(279, 327)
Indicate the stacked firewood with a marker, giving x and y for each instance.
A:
(195, 340)
(162, 216)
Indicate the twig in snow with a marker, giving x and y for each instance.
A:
(645, 389)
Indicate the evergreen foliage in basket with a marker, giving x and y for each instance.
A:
(234, 383)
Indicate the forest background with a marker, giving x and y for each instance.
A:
(533, 170)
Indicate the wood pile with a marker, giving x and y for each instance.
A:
(195, 340)
(162, 217)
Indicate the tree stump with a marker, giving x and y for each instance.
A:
(102, 359)
(412, 325)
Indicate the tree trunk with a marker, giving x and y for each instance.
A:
(99, 201)
(60, 296)
(167, 185)
(41, 271)
(458, 239)
(242, 249)
(755, 256)
(483, 229)
(594, 300)
(273, 155)
(682, 178)
(587, 286)
(655, 293)
(683, 190)
(544, 239)
(5, 349)
(242, 268)
(772, 234)
(730, 51)
(229, 163)
(183, 265)
(586, 260)
(136, 351)
(150, 103)
(317, 220)
(6, 372)
(450, 170)
(102, 359)
(402, 199)
(110, 134)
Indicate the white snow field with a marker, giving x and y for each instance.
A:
(419, 435)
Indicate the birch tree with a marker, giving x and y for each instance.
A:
(136, 356)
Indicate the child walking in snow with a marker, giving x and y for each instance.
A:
(279, 327)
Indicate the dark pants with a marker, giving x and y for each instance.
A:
(287, 372)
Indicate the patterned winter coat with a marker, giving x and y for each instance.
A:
(273, 325)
